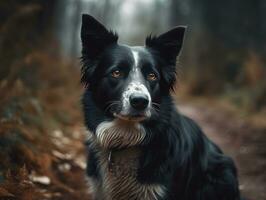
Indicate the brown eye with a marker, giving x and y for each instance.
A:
(116, 74)
(151, 77)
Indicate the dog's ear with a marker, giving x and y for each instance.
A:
(94, 38)
(168, 46)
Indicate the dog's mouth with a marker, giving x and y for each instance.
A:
(133, 117)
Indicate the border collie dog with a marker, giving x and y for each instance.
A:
(139, 145)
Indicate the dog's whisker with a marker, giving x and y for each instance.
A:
(156, 104)
(155, 111)
(110, 104)
(156, 107)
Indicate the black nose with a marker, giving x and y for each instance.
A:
(139, 102)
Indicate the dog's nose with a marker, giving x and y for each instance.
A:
(139, 102)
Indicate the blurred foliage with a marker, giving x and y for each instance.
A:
(22, 27)
(39, 94)
(225, 49)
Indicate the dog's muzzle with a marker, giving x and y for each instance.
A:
(136, 103)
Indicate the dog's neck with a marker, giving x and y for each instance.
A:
(119, 134)
(117, 143)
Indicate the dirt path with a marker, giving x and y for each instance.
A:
(246, 144)
(242, 141)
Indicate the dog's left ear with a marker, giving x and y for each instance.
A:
(168, 46)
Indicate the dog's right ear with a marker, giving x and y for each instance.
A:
(95, 38)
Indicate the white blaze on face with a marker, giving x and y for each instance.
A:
(136, 57)
(135, 87)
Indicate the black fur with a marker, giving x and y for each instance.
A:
(175, 152)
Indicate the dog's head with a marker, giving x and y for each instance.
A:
(128, 82)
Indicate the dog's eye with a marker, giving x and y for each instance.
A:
(117, 74)
(151, 77)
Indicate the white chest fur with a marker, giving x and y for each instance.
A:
(118, 169)
(119, 134)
